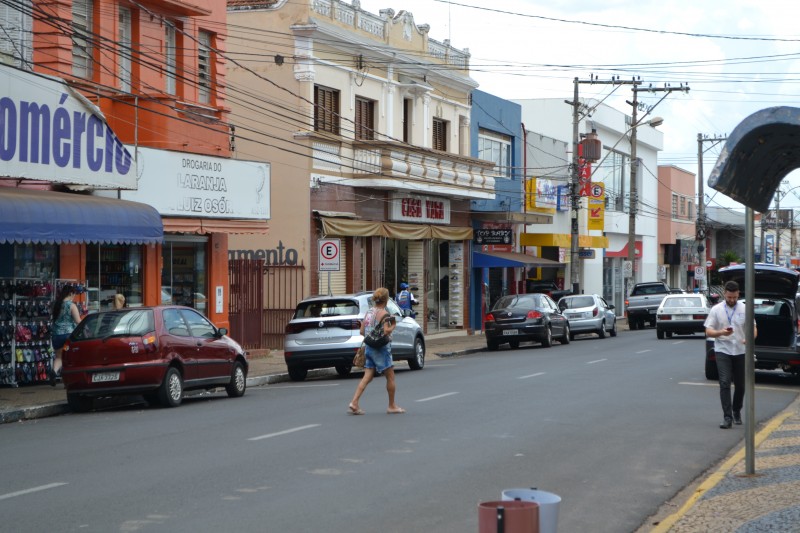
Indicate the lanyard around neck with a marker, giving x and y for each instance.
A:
(733, 312)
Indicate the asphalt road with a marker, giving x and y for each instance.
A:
(616, 427)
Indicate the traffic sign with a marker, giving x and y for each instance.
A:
(329, 255)
(699, 272)
(598, 190)
(709, 264)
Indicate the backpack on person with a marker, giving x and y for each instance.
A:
(375, 338)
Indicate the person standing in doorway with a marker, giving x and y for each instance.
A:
(65, 317)
(119, 301)
(405, 298)
(726, 325)
(378, 360)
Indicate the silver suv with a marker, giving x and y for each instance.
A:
(325, 332)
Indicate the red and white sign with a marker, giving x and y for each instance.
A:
(422, 209)
(329, 254)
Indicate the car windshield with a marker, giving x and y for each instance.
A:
(686, 301)
(523, 301)
(115, 323)
(323, 308)
(576, 302)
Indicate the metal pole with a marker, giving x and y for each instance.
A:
(701, 214)
(632, 203)
(749, 361)
(574, 265)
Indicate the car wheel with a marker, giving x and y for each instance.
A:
(238, 384)
(711, 370)
(659, 333)
(548, 338)
(513, 344)
(419, 355)
(613, 331)
(343, 370)
(297, 373)
(492, 345)
(170, 394)
(669, 334)
(631, 324)
(79, 403)
(567, 335)
(602, 332)
(571, 336)
(652, 323)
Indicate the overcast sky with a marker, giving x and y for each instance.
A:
(736, 56)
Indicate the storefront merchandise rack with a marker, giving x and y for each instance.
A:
(26, 306)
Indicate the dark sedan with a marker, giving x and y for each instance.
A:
(525, 317)
(155, 351)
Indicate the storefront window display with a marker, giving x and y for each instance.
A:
(111, 270)
(37, 261)
(183, 278)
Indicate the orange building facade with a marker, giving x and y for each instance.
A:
(144, 84)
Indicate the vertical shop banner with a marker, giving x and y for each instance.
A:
(597, 202)
(770, 248)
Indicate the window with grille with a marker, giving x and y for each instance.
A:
(124, 43)
(439, 141)
(496, 148)
(170, 59)
(674, 206)
(365, 119)
(17, 28)
(326, 109)
(82, 28)
(683, 206)
(204, 67)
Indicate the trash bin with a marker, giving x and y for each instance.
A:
(508, 517)
(548, 505)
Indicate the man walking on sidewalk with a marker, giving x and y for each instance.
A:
(725, 324)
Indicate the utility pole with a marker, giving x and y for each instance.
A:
(701, 229)
(635, 163)
(575, 197)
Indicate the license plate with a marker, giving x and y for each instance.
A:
(101, 377)
(510, 332)
(681, 317)
(652, 311)
(578, 315)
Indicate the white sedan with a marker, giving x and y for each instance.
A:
(682, 314)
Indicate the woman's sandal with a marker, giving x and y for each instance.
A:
(354, 410)
(398, 411)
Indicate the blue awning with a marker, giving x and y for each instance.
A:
(34, 216)
(511, 259)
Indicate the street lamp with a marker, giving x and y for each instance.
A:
(654, 122)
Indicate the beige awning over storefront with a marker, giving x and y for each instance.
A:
(334, 226)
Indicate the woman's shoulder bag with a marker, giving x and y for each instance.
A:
(375, 338)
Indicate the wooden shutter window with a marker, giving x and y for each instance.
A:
(365, 119)
(439, 134)
(326, 110)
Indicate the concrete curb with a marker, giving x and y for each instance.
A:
(460, 352)
(31, 413)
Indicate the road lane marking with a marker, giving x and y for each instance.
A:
(284, 432)
(644, 351)
(310, 386)
(596, 361)
(437, 397)
(28, 491)
(716, 384)
(678, 342)
(531, 375)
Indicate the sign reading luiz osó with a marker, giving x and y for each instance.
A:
(49, 131)
(194, 185)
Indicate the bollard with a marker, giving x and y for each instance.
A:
(508, 517)
(548, 505)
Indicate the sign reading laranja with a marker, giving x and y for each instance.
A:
(194, 185)
(48, 131)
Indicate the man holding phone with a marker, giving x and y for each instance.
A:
(725, 324)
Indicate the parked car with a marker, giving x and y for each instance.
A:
(589, 313)
(546, 287)
(525, 317)
(325, 332)
(682, 314)
(156, 351)
(775, 312)
(643, 301)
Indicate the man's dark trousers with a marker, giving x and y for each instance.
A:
(730, 367)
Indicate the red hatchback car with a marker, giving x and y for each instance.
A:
(155, 351)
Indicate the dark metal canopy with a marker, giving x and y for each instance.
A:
(759, 153)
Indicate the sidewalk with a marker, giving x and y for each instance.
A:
(724, 500)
